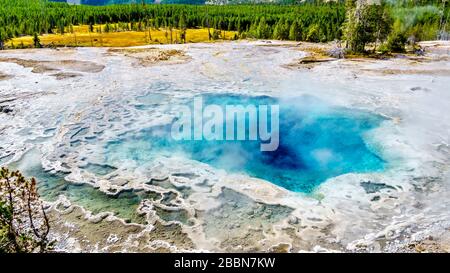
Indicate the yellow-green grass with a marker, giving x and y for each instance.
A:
(80, 36)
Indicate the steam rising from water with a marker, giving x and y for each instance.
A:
(316, 142)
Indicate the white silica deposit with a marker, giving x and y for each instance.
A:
(67, 105)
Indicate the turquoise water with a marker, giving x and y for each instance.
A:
(51, 185)
(317, 142)
(123, 204)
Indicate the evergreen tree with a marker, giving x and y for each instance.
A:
(239, 26)
(182, 27)
(313, 34)
(36, 41)
(277, 31)
(263, 31)
(311, 20)
(365, 23)
(295, 32)
(3, 38)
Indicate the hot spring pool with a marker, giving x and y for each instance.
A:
(316, 142)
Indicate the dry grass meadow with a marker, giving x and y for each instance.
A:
(81, 36)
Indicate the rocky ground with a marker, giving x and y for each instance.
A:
(60, 108)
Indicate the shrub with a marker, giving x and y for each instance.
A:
(396, 42)
(24, 225)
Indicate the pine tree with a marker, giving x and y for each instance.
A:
(295, 32)
(239, 26)
(263, 31)
(36, 41)
(3, 38)
(107, 28)
(182, 26)
(365, 23)
(277, 31)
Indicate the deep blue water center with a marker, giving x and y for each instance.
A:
(316, 142)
